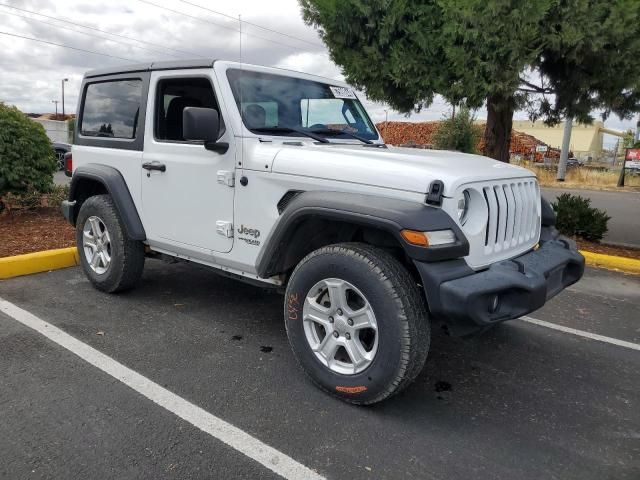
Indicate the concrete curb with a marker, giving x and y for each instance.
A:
(38, 262)
(68, 257)
(612, 262)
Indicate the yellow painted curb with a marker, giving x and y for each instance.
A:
(612, 262)
(68, 257)
(38, 262)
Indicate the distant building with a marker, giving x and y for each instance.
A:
(57, 130)
(586, 140)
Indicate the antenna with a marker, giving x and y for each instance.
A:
(241, 112)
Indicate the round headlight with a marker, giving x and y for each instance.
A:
(463, 207)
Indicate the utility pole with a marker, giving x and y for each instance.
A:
(63, 80)
(386, 120)
(56, 102)
(564, 153)
(615, 157)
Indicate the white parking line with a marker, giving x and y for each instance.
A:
(582, 333)
(241, 441)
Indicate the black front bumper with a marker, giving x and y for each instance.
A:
(467, 300)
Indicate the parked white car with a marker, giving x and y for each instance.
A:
(281, 179)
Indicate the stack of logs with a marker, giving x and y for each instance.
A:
(403, 133)
(420, 134)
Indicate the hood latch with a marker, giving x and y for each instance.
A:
(434, 195)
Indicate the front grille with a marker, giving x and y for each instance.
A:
(512, 214)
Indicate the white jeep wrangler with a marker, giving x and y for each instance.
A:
(280, 178)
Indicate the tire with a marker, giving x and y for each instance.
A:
(125, 256)
(394, 351)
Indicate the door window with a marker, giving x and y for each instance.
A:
(173, 96)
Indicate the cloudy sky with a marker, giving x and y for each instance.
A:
(126, 31)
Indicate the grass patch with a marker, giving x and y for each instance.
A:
(581, 177)
(33, 199)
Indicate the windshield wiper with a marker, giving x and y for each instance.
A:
(291, 130)
(330, 131)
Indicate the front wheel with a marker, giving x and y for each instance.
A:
(357, 322)
(110, 259)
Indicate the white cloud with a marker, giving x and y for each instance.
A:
(317, 63)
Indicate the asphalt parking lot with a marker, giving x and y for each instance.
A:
(521, 401)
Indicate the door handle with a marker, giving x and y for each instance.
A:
(161, 167)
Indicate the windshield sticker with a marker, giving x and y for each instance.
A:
(343, 92)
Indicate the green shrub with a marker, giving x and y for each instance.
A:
(458, 133)
(71, 126)
(27, 160)
(576, 217)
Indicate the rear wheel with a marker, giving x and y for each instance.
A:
(357, 322)
(60, 159)
(110, 259)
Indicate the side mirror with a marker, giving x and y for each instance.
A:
(203, 124)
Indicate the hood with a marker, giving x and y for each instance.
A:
(407, 169)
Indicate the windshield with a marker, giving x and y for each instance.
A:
(270, 102)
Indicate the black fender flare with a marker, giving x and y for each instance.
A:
(388, 214)
(114, 183)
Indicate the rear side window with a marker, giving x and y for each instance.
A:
(112, 109)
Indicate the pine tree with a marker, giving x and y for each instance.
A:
(552, 58)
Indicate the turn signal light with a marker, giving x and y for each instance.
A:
(426, 239)
(415, 238)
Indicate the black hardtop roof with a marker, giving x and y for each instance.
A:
(147, 67)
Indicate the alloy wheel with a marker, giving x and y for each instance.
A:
(340, 326)
(96, 244)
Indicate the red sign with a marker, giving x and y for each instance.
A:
(632, 158)
(632, 154)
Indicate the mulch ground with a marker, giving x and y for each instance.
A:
(33, 231)
(609, 249)
(46, 229)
